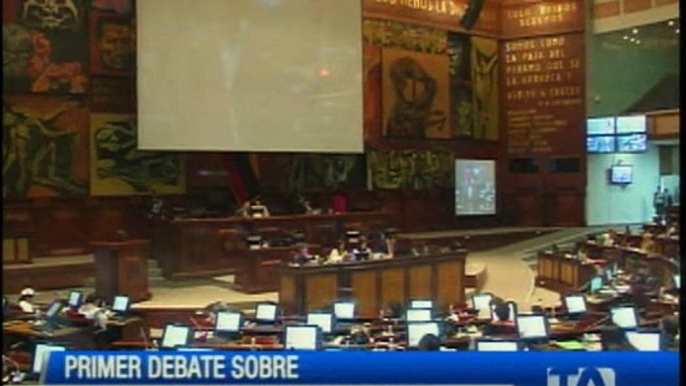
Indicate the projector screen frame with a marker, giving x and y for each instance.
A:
(492, 164)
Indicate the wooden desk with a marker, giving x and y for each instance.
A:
(122, 269)
(562, 274)
(256, 270)
(186, 248)
(24, 328)
(375, 284)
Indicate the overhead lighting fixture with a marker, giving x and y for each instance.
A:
(632, 40)
(670, 23)
(638, 41)
(676, 31)
(626, 37)
(635, 31)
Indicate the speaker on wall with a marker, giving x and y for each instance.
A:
(471, 14)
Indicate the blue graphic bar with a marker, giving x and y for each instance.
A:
(364, 368)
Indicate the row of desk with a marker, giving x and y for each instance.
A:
(186, 248)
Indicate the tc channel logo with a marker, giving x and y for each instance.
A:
(585, 376)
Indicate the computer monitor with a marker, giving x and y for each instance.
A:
(324, 320)
(53, 310)
(75, 299)
(596, 284)
(422, 303)
(266, 312)
(482, 301)
(344, 311)
(121, 304)
(608, 275)
(614, 267)
(575, 304)
(624, 317)
(352, 237)
(191, 349)
(303, 337)
(532, 327)
(677, 281)
(228, 322)
(417, 330)
(645, 340)
(418, 315)
(175, 335)
(497, 345)
(258, 210)
(41, 354)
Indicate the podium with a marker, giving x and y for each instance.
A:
(121, 268)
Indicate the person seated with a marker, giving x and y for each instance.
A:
(648, 244)
(360, 335)
(429, 342)
(503, 322)
(363, 252)
(25, 302)
(303, 256)
(339, 254)
(614, 339)
(388, 246)
(244, 210)
(91, 305)
(611, 238)
(669, 325)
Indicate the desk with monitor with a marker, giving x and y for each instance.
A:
(376, 284)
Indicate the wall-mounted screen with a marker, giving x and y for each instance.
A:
(621, 174)
(475, 192)
(632, 124)
(600, 126)
(250, 75)
(600, 144)
(632, 143)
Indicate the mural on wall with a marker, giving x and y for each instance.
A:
(484, 59)
(415, 95)
(113, 94)
(410, 169)
(113, 43)
(44, 148)
(391, 34)
(44, 46)
(303, 172)
(118, 168)
(371, 66)
(461, 105)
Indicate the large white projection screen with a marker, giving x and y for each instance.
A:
(474, 187)
(250, 75)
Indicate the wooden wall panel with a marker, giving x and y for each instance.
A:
(392, 287)
(365, 292)
(419, 282)
(321, 291)
(450, 288)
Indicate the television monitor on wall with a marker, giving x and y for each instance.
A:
(632, 124)
(601, 144)
(600, 126)
(621, 174)
(475, 189)
(632, 143)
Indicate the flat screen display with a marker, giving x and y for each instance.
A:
(344, 310)
(624, 317)
(575, 304)
(644, 341)
(600, 126)
(75, 299)
(265, 312)
(228, 321)
(596, 284)
(475, 188)
(418, 315)
(174, 336)
(416, 331)
(322, 319)
(621, 174)
(632, 143)
(601, 144)
(482, 301)
(302, 337)
(121, 304)
(418, 303)
(497, 345)
(532, 326)
(632, 124)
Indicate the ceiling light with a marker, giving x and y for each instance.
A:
(626, 37)
(670, 23)
(632, 40)
(676, 31)
(638, 41)
(635, 31)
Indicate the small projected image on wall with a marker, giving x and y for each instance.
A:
(474, 187)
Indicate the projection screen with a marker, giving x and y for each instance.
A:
(475, 189)
(250, 75)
